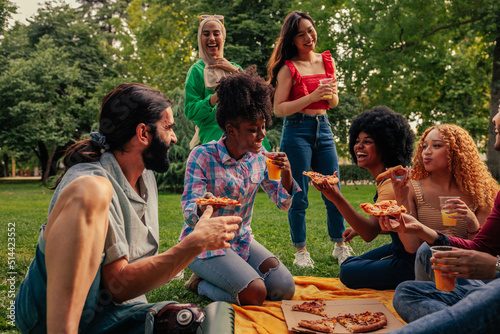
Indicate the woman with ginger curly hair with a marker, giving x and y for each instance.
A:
(447, 163)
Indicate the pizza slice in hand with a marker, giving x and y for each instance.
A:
(217, 201)
(316, 306)
(318, 177)
(383, 208)
(387, 173)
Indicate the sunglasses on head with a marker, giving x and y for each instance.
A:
(217, 17)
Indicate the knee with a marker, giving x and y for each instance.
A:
(279, 283)
(254, 294)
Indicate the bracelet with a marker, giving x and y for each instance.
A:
(474, 233)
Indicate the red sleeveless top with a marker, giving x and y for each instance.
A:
(305, 84)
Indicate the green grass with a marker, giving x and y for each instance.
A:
(25, 203)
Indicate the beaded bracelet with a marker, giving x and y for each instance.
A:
(474, 233)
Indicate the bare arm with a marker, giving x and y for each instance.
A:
(283, 107)
(128, 280)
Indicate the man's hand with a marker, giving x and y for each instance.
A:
(465, 263)
(348, 234)
(404, 223)
(218, 231)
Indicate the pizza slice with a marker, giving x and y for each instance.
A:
(363, 322)
(316, 306)
(387, 173)
(318, 177)
(383, 208)
(326, 325)
(217, 201)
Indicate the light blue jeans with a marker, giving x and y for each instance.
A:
(227, 275)
(308, 142)
(99, 315)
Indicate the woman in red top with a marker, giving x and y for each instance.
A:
(295, 70)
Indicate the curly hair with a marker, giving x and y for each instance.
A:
(390, 131)
(464, 163)
(243, 96)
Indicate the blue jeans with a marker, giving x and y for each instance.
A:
(99, 315)
(227, 275)
(308, 142)
(468, 309)
(382, 268)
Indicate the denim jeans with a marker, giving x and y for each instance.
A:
(382, 268)
(308, 142)
(468, 309)
(99, 315)
(227, 275)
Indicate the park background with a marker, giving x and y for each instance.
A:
(434, 61)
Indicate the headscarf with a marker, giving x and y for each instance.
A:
(211, 75)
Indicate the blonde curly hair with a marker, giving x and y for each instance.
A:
(464, 163)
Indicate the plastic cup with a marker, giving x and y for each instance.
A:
(448, 219)
(273, 170)
(443, 283)
(326, 82)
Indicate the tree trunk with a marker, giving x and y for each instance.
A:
(494, 156)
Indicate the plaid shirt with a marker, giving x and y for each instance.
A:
(210, 168)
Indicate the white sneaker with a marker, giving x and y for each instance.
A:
(303, 259)
(342, 252)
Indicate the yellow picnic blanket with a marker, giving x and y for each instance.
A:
(269, 319)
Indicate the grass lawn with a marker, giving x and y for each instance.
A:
(23, 209)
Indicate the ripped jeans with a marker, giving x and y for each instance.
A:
(227, 275)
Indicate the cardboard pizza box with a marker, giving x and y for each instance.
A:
(337, 307)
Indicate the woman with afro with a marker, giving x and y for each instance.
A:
(378, 139)
(246, 273)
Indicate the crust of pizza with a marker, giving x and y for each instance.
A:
(387, 173)
(363, 322)
(383, 208)
(316, 306)
(318, 177)
(326, 325)
(217, 201)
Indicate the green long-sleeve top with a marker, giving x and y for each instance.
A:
(197, 105)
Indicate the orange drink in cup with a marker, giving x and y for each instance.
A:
(273, 170)
(443, 283)
(326, 82)
(448, 219)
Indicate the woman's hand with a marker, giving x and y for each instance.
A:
(348, 234)
(458, 208)
(402, 223)
(223, 63)
(401, 186)
(280, 159)
(331, 192)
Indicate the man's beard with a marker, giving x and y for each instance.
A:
(155, 157)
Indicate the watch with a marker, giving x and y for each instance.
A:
(498, 263)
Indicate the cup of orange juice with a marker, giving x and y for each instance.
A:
(326, 81)
(443, 283)
(273, 170)
(448, 219)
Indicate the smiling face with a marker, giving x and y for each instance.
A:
(305, 39)
(247, 137)
(434, 154)
(212, 39)
(366, 151)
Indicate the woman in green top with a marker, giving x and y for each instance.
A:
(202, 77)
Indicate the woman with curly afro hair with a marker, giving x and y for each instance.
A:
(447, 163)
(246, 273)
(378, 139)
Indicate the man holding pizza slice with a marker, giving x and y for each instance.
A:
(474, 305)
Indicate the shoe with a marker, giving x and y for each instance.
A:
(179, 276)
(193, 282)
(303, 259)
(342, 252)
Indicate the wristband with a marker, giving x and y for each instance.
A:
(474, 233)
